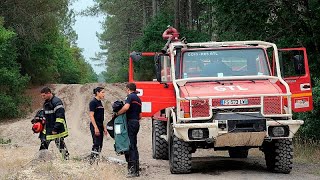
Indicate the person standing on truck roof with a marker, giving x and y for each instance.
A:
(96, 125)
(132, 108)
(55, 124)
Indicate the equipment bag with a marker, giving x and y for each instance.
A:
(121, 138)
(110, 127)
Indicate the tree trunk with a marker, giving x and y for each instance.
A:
(176, 14)
(190, 14)
(154, 8)
(158, 6)
(144, 10)
(183, 12)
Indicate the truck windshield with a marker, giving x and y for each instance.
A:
(224, 62)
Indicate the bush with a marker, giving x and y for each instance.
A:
(12, 83)
(5, 141)
(311, 127)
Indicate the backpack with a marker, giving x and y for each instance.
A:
(121, 138)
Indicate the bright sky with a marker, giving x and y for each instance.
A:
(87, 28)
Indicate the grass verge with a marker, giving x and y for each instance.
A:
(307, 151)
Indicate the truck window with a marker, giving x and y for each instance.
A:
(165, 69)
(292, 63)
(226, 62)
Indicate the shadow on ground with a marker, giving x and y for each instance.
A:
(219, 165)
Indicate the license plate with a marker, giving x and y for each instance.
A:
(228, 102)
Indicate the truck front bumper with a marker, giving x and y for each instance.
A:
(223, 138)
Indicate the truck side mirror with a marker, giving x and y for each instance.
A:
(298, 62)
(158, 67)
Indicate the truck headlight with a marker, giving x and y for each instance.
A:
(199, 133)
(278, 131)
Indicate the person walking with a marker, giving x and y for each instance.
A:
(96, 125)
(132, 108)
(55, 123)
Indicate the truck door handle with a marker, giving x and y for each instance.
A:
(306, 86)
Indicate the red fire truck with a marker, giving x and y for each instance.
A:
(231, 96)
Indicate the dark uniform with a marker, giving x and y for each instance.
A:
(132, 157)
(98, 109)
(55, 121)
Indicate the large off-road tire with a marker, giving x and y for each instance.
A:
(238, 152)
(160, 147)
(180, 155)
(279, 155)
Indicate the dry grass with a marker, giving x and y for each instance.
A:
(21, 163)
(306, 151)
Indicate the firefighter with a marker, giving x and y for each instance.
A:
(96, 125)
(55, 124)
(132, 108)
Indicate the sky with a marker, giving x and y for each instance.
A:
(87, 28)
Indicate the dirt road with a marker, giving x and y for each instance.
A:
(20, 159)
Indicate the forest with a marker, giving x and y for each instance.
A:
(137, 25)
(37, 47)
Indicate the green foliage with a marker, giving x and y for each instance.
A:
(66, 64)
(11, 81)
(311, 128)
(5, 141)
(84, 69)
(37, 46)
(45, 41)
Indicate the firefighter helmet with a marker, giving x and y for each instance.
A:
(37, 127)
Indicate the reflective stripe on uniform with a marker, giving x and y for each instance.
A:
(58, 107)
(49, 112)
(60, 120)
(95, 152)
(63, 134)
(55, 136)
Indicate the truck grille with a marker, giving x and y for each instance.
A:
(200, 108)
(272, 105)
